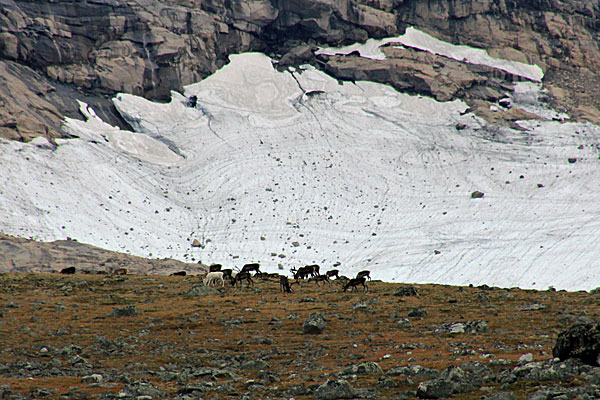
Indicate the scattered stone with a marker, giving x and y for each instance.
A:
(386, 382)
(201, 290)
(463, 327)
(254, 364)
(314, 324)
(94, 378)
(403, 323)
(451, 381)
(417, 371)
(477, 194)
(306, 300)
(532, 307)
(127, 311)
(263, 340)
(335, 389)
(406, 291)
(140, 389)
(572, 160)
(267, 377)
(417, 313)
(361, 305)
(525, 358)
(366, 368)
(501, 396)
(482, 298)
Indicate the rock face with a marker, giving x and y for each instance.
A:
(53, 53)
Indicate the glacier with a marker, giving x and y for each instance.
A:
(293, 168)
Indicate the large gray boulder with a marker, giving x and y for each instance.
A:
(314, 324)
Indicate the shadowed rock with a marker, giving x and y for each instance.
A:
(581, 341)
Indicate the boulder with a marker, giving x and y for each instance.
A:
(314, 324)
(335, 389)
(581, 341)
(366, 368)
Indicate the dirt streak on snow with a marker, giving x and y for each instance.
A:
(355, 173)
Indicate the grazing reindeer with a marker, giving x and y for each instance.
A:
(320, 278)
(242, 275)
(302, 272)
(284, 284)
(365, 273)
(354, 282)
(214, 268)
(227, 273)
(213, 277)
(314, 269)
(251, 267)
(333, 272)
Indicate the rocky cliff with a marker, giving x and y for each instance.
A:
(55, 52)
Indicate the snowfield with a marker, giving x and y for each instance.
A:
(292, 168)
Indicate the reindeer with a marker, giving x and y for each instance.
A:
(320, 278)
(240, 276)
(354, 282)
(227, 273)
(314, 269)
(215, 268)
(302, 272)
(365, 273)
(251, 267)
(333, 272)
(213, 277)
(284, 284)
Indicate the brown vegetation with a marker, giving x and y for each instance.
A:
(55, 329)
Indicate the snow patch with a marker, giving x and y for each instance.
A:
(294, 168)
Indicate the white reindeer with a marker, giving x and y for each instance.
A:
(213, 277)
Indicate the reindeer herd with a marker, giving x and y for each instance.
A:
(217, 275)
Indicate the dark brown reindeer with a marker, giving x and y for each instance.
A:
(333, 272)
(227, 274)
(215, 268)
(284, 284)
(320, 278)
(241, 276)
(365, 273)
(253, 267)
(314, 269)
(355, 282)
(302, 272)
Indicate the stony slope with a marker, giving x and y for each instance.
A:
(158, 337)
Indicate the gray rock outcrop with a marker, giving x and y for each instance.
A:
(52, 53)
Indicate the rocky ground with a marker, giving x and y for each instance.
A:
(95, 335)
